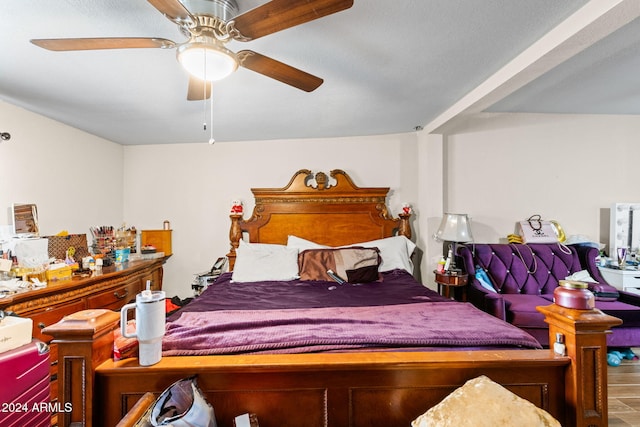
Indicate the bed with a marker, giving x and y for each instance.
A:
(301, 316)
(329, 380)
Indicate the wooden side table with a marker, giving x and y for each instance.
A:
(448, 280)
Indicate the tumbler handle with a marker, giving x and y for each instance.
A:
(123, 320)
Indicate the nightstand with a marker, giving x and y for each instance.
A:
(448, 280)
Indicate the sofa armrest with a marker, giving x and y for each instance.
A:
(490, 302)
(464, 259)
(495, 305)
(587, 256)
(485, 300)
(602, 290)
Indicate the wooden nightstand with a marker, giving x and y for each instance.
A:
(448, 280)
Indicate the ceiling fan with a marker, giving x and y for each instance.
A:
(209, 25)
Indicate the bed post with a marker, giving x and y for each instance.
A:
(405, 227)
(235, 234)
(83, 340)
(585, 338)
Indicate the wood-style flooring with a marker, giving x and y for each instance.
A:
(624, 393)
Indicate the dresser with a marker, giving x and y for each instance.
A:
(112, 288)
(624, 280)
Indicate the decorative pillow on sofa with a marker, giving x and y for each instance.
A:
(395, 251)
(353, 265)
(481, 402)
(483, 278)
(257, 262)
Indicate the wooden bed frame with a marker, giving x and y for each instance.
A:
(331, 389)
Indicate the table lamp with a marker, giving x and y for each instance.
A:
(454, 228)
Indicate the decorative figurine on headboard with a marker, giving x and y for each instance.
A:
(236, 207)
(406, 208)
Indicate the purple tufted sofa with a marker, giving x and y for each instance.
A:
(525, 276)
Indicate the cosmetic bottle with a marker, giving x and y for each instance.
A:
(558, 347)
(447, 264)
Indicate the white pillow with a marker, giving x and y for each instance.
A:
(395, 251)
(256, 262)
(303, 244)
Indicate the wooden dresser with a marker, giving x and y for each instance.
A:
(114, 287)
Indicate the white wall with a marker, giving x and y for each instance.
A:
(499, 168)
(502, 168)
(79, 180)
(73, 177)
(192, 186)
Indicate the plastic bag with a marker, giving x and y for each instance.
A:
(182, 405)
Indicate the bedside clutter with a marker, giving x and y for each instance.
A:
(523, 277)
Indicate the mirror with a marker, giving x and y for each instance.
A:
(25, 219)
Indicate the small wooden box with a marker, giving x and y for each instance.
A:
(160, 239)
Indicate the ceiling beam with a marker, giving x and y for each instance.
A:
(594, 21)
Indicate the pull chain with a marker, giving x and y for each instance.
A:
(204, 109)
(204, 106)
(211, 140)
(204, 91)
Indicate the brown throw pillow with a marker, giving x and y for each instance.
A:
(353, 265)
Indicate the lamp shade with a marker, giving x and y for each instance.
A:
(207, 61)
(454, 228)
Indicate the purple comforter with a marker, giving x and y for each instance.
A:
(298, 317)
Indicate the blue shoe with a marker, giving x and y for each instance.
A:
(614, 358)
(629, 354)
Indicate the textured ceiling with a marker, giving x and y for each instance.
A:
(388, 67)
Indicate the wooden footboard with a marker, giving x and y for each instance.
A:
(356, 389)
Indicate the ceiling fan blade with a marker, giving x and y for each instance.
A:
(102, 43)
(199, 90)
(174, 10)
(278, 15)
(278, 70)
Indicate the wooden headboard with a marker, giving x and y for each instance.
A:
(313, 207)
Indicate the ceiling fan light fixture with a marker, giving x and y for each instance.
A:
(207, 61)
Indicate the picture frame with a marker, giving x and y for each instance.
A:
(25, 219)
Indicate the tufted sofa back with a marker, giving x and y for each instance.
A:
(532, 269)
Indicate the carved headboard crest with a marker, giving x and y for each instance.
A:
(322, 181)
(306, 181)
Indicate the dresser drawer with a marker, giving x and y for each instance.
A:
(51, 315)
(631, 279)
(625, 280)
(115, 298)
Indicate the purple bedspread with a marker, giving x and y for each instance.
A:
(336, 328)
(397, 287)
(298, 317)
